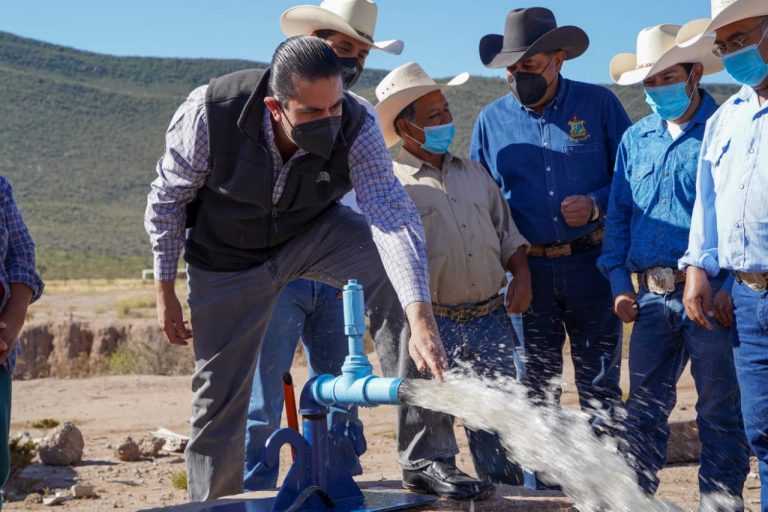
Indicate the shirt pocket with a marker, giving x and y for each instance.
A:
(582, 162)
(486, 237)
(643, 184)
(428, 216)
(689, 169)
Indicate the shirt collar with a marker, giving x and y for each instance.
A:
(748, 96)
(414, 164)
(745, 95)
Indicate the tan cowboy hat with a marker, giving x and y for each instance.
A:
(401, 87)
(656, 51)
(724, 12)
(355, 18)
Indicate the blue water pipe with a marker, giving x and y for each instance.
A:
(320, 478)
(356, 385)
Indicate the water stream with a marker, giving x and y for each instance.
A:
(551, 439)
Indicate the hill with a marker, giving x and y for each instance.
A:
(83, 131)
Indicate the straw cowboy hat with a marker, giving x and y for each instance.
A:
(355, 18)
(656, 51)
(401, 87)
(528, 32)
(724, 12)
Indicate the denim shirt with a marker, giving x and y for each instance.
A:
(652, 197)
(729, 229)
(539, 160)
(17, 252)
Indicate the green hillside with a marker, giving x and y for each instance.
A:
(82, 133)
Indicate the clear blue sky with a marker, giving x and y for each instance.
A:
(442, 35)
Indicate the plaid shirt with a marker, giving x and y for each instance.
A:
(183, 169)
(17, 251)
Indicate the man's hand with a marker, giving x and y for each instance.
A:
(576, 210)
(12, 318)
(723, 305)
(425, 347)
(519, 293)
(697, 297)
(625, 307)
(169, 314)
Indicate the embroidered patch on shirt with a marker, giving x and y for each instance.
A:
(578, 130)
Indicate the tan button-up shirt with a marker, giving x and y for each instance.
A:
(468, 227)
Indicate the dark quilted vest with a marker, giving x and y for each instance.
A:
(232, 224)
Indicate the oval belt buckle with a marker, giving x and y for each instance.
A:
(661, 280)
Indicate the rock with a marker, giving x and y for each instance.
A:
(83, 491)
(151, 445)
(58, 499)
(63, 446)
(127, 450)
(173, 442)
(33, 499)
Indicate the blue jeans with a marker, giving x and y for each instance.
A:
(663, 340)
(571, 296)
(751, 359)
(314, 312)
(491, 345)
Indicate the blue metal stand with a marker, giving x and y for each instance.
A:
(319, 479)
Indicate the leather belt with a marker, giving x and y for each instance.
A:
(581, 244)
(462, 313)
(661, 280)
(757, 281)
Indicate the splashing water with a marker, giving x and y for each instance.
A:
(555, 440)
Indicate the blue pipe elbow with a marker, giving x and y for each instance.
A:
(366, 391)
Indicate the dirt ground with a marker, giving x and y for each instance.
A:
(107, 409)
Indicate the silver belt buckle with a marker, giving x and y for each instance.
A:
(661, 280)
(754, 280)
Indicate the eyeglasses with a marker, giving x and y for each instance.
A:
(738, 43)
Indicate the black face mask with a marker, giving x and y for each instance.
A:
(528, 88)
(350, 71)
(317, 137)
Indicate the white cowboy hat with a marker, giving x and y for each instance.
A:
(355, 18)
(724, 12)
(656, 51)
(401, 87)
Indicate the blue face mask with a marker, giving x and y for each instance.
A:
(437, 138)
(670, 102)
(747, 66)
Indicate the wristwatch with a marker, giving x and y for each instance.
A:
(595, 209)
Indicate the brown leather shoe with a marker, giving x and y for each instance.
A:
(447, 481)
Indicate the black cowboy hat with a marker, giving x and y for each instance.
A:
(528, 32)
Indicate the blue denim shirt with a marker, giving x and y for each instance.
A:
(652, 197)
(17, 252)
(729, 229)
(538, 160)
